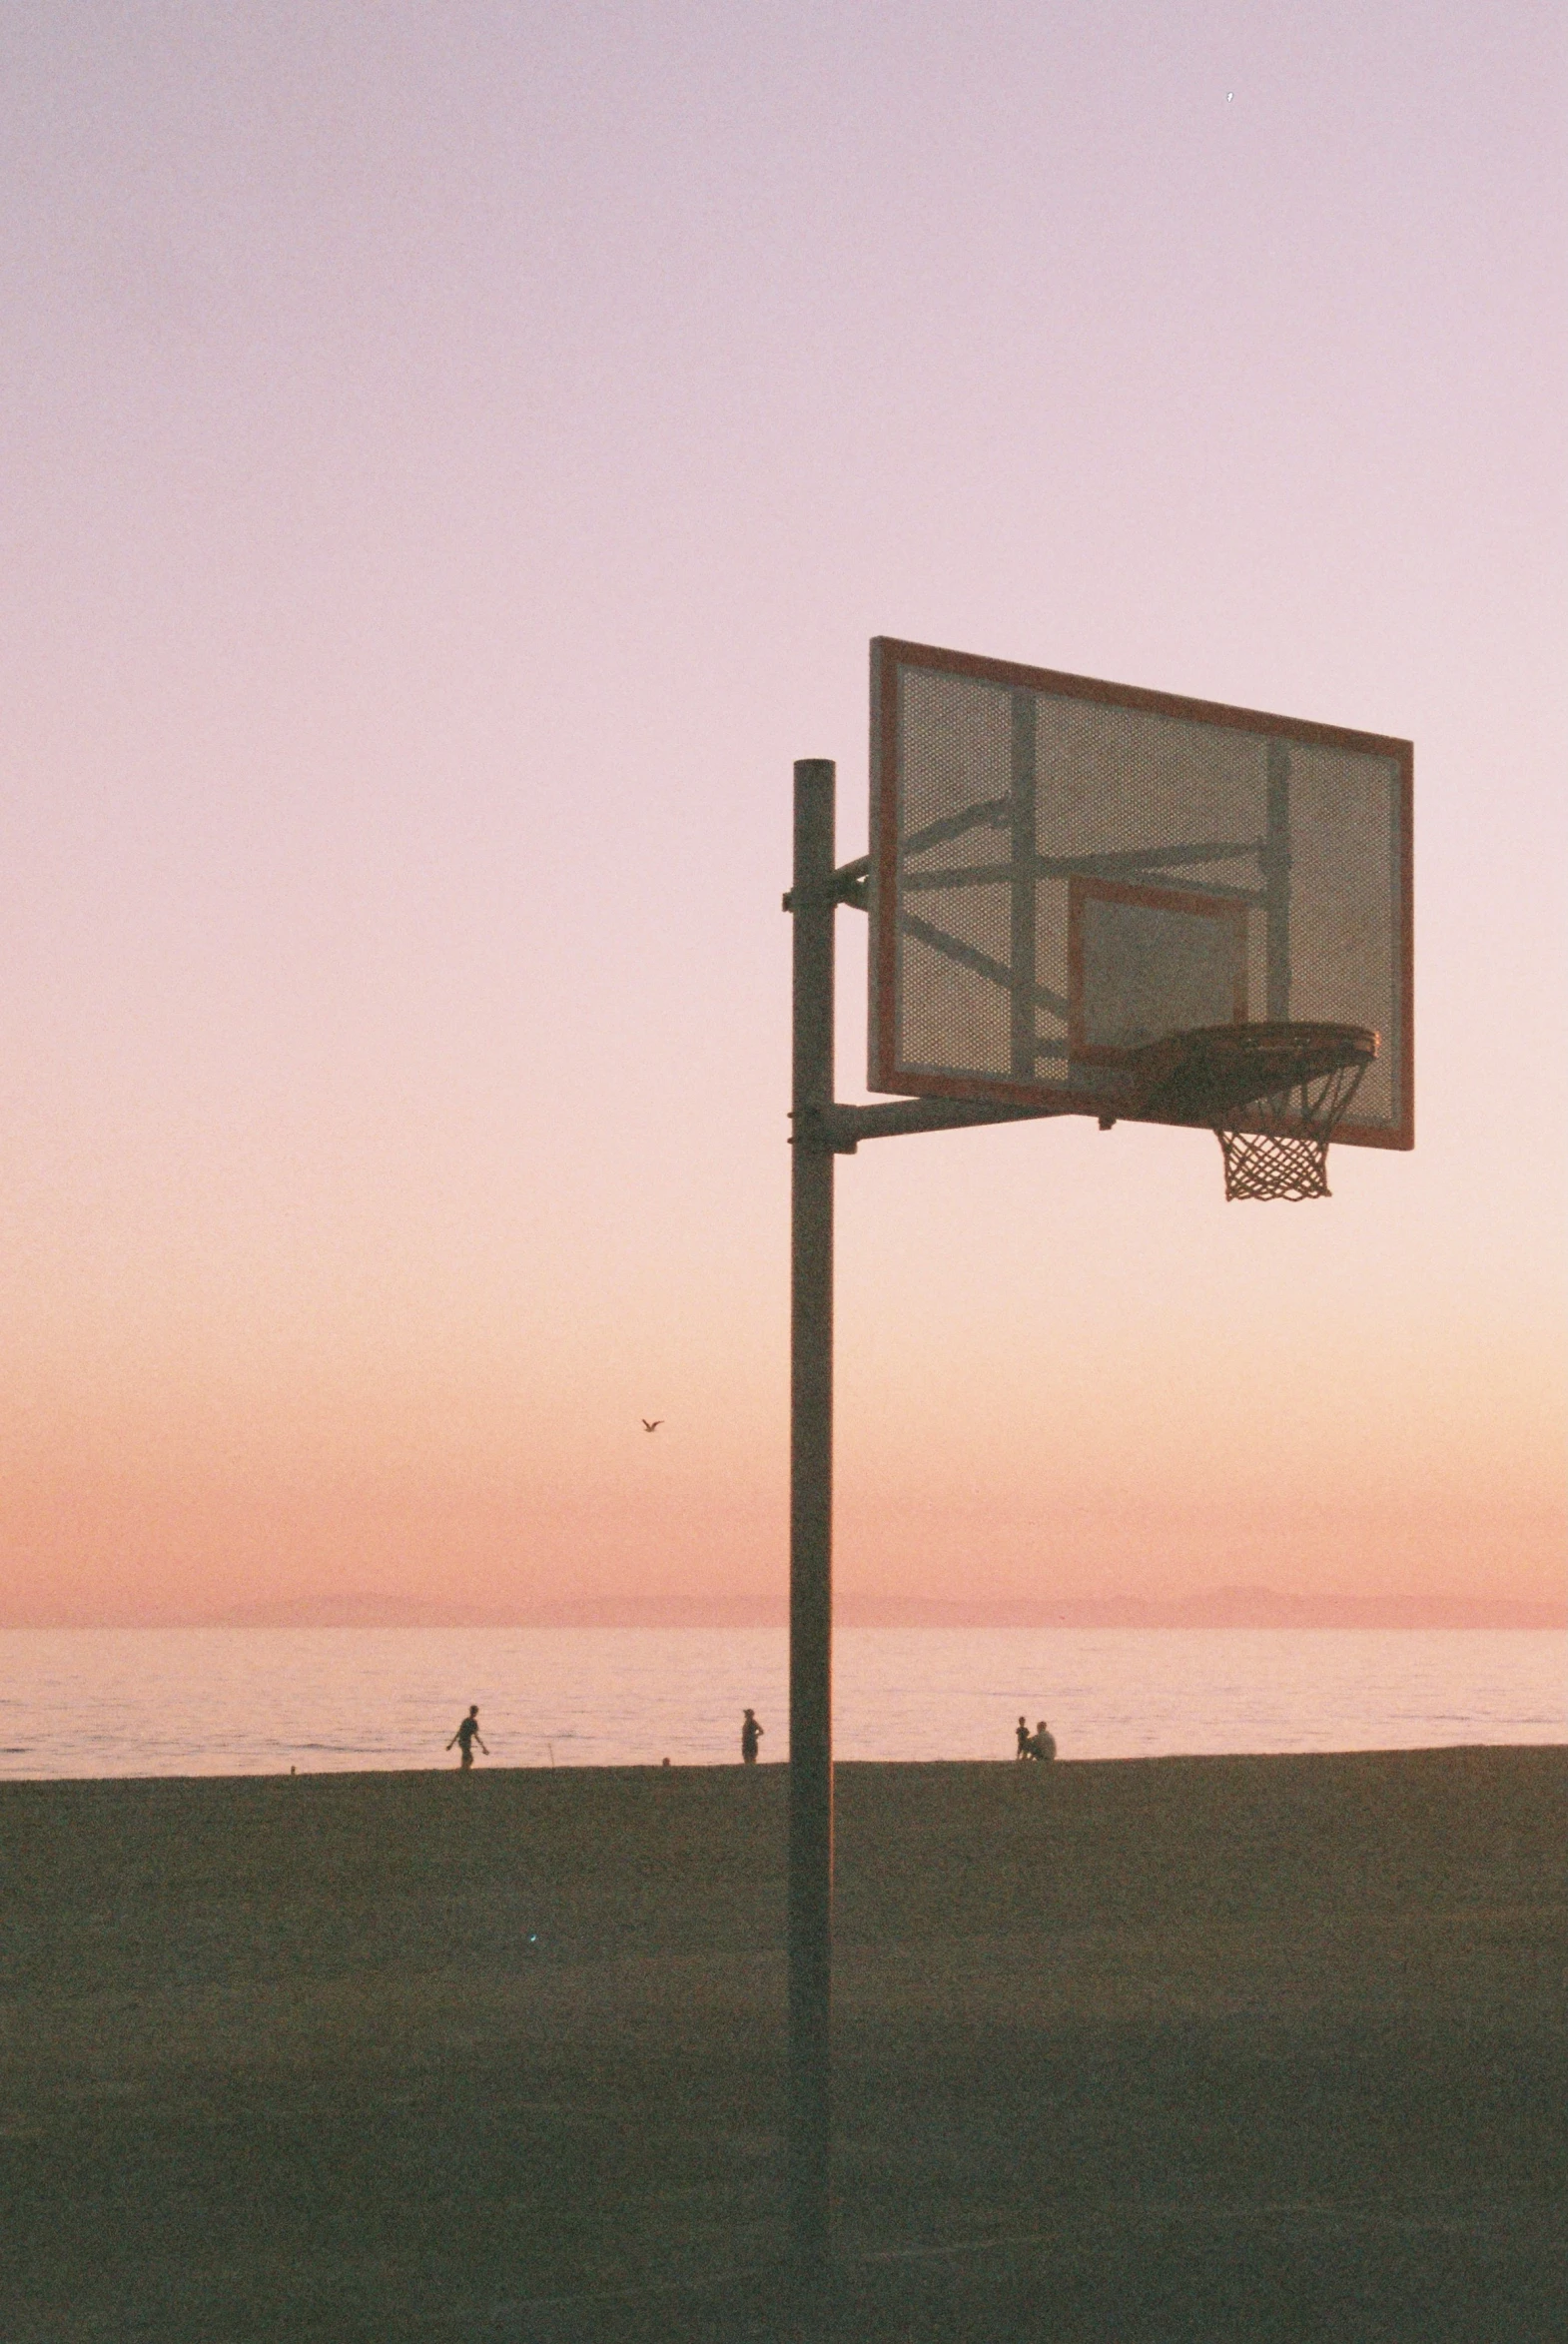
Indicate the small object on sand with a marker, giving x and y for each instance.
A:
(664, 1762)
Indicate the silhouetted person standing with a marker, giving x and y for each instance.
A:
(466, 1737)
(750, 1735)
(1021, 1730)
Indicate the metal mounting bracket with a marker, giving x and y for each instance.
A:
(839, 1129)
(851, 885)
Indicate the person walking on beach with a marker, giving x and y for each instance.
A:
(750, 1735)
(466, 1737)
(1021, 1730)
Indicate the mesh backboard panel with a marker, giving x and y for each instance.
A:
(1062, 871)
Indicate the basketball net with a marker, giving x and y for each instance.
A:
(1282, 1158)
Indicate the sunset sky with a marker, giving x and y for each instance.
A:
(455, 458)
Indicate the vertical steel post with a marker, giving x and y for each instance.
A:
(1276, 882)
(811, 1531)
(1026, 857)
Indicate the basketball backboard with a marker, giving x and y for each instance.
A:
(1064, 871)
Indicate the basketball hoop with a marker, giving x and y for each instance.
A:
(1272, 1095)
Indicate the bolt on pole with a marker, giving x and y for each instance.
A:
(811, 1531)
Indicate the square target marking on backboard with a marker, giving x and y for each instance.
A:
(1143, 961)
(1064, 870)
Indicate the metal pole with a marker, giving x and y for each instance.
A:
(1025, 862)
(811, 1532)
(1276, 882)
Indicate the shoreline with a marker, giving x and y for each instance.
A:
(484, 1767)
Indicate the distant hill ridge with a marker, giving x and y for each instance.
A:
(1223, 1607)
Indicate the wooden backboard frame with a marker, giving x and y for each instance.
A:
(887, 655)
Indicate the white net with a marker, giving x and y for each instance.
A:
(1273, 1166)
(1282, 1158)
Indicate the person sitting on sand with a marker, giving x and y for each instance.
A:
(750, 1735)
(1042, 1742)
(1022, 1732)
(467, 1734)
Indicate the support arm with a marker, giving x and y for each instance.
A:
(842, 1129)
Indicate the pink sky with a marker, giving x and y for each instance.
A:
(455, 459)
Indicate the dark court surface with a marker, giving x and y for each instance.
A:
(1243, 2048)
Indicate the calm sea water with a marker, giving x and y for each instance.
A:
(258, 1701)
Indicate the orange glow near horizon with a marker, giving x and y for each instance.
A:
(453, 479)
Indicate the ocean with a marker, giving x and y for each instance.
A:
(240, 1701)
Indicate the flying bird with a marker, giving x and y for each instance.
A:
(654, 1427)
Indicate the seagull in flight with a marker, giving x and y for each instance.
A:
(654, 1427)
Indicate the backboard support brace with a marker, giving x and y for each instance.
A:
(841, 1129)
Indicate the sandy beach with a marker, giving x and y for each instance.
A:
(1181, 2049)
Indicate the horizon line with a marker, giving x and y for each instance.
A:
(1224, 1607)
